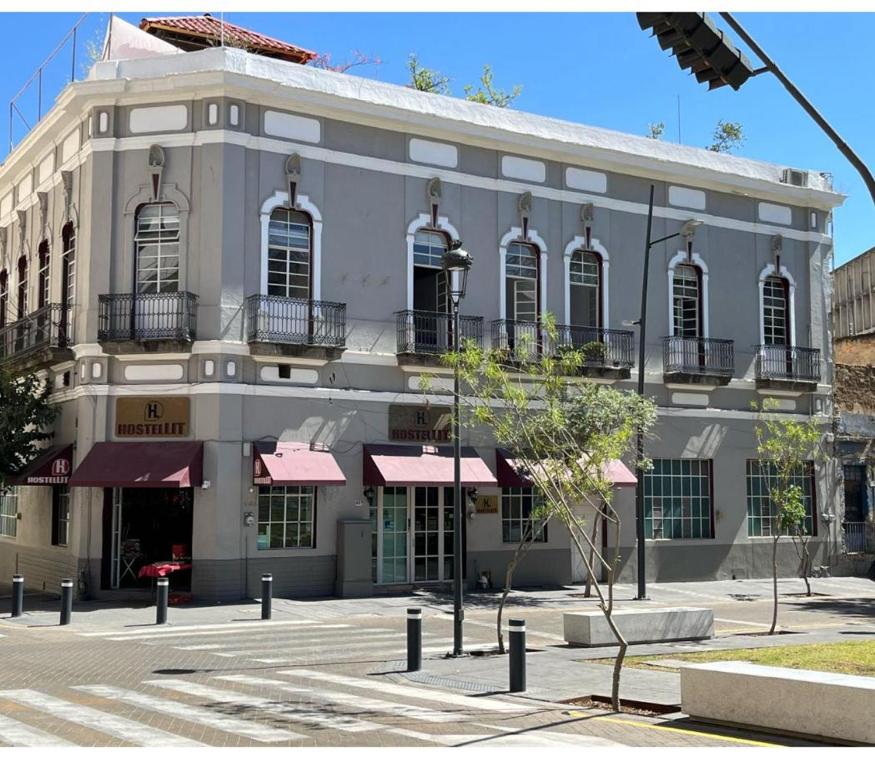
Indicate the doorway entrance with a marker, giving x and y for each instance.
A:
(144, 526)
(413, 532)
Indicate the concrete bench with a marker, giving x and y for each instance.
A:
(642, 625)
(824, 704)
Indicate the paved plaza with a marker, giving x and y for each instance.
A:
(332, 672)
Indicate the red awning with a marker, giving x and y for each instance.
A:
(507, 469)
(281, 463)
(52, 467)
(144, 464)
(400, 465)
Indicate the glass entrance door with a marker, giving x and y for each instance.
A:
(392, 544)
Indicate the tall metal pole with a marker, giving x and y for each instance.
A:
(840, 143)
(639, 442)
(458, 612)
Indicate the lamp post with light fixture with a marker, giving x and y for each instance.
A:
(456, 263)
(685, 231)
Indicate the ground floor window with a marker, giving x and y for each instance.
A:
(677, 499)
(516, 515)
(8, 512)
(760, 510)
(60, 515)
(286, 516)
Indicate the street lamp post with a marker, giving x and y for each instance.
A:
(456, 263)
(686, 231)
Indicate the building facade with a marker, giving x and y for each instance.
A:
(226, 267)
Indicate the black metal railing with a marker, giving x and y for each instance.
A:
(47, 328)
(778, 361)
(302, 322)
(521, 339)
(431, 333)
(147, 316)
(600, 346)
(698, 356)
(856, 539)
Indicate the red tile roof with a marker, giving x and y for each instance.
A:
(196, 32)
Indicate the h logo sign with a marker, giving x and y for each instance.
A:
(421, 419)
(60, 467)
(153, 411)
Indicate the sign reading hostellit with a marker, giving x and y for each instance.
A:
(152, 417)
(420, 424)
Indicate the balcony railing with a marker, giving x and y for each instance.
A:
(147, 317)
(857, 539)
(695, 356)
(299, 322)
(780, 362)
(47, 328)
(527, 340)
(431, 333)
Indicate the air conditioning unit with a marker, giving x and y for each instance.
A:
(795, 177)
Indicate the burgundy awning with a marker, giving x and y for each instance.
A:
(507, 469)
(400, 465)
(286, 463)
(143, 464)
(52, 467)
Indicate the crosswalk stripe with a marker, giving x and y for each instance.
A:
(361, 649)
(20, 735)
(220, 722)
(286, 711)
(408, 691)
(351, 643)
(402, 710)
(542, 740)
(249, 624)
(241, 643)
(98, 720)
(160, 634)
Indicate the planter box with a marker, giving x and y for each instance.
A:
(645, 625)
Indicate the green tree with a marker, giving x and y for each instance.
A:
(784, 446)
(655, 130)
(25, 417)
(425, 79)
(561, 431)
(487, 93)
(727, 137)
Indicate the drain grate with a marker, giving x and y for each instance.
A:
(448, 682)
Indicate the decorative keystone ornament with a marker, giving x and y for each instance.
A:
(156, 163)
(433, 192)
(293, 178)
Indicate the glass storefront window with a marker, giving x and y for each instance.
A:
(286, 516)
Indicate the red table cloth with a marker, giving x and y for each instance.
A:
(154, 570)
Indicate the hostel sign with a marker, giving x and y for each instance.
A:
(420, 424)
(152, 417)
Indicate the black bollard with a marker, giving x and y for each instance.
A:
(414, 639)
(517, 631)
(162, 594)
(66, 601)
(266, 594)
(17, 595)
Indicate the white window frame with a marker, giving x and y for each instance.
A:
(9, 513)
(424, 221)
(288, 252)
(280, 199)
(516, 233)
(286, 492)
(161, 244)
(767, 272)
(579, 244)
(698, 261)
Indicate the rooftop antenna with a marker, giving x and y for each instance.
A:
(679, 118)
(222, 27)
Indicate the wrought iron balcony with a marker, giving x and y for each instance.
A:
(143, 317)
(522, 340)
(791, 367)
(296, 322)
(691, 359)
(46, 329)
(431, 333)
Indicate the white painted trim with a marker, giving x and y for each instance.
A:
(516, 233)
(768, 270)
(280, 199)
(579, 244)
(423, 221)
(698, 261)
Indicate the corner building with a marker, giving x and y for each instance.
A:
(227, 266)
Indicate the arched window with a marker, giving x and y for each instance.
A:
(585, 277)
(22, 287)
(687, 301)
(4, 296)
(522, 274)
(776, 314)
(429, 279)
(68, 259)
(157, 243)
(289, 254)
(43, 286)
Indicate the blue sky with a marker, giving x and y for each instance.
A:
(595, 68)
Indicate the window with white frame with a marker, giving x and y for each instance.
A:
(22, 287)
(775, 311)
(289, 254)
(429, 246)
(686, 301)
(286, 516)
(430, 292)
(585, 277)
(8, 512)
(68, 260)
(43, 276)
(761, 511)
(60, 515)
(4, 297)
(521, 273)
(677, 499)
(517, 505)
(157, 243)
